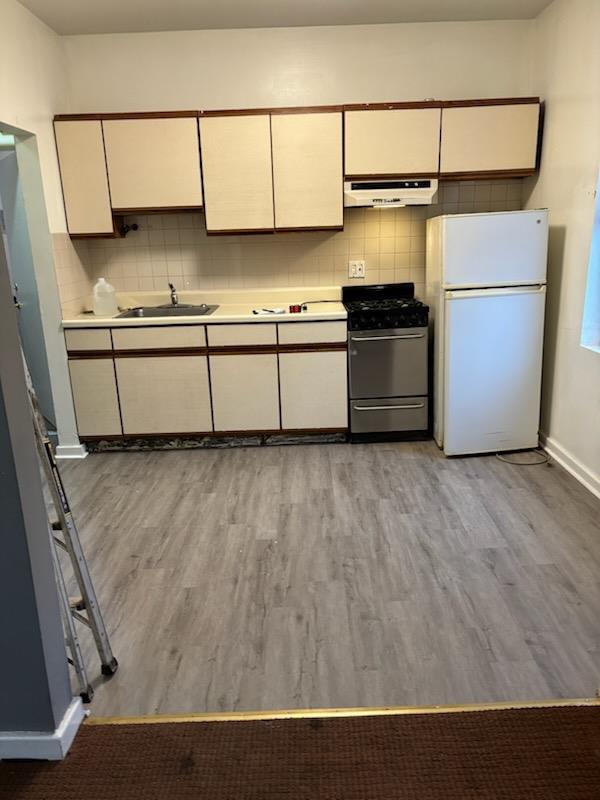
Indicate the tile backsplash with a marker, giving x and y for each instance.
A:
(176, 248)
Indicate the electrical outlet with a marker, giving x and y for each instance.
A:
(356, 269)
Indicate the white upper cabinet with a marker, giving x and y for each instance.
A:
(83, 175)
(308, 170)
(153, 163)
(489, 138)
(237, 167)
(392, 142)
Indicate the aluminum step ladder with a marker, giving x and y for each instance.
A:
(64, 535)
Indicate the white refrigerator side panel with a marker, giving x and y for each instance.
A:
(492, 371)
(497, 249)
(434, 297)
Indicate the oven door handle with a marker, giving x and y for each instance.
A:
(387, 338)
(389, 408)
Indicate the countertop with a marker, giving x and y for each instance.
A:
(233, 306)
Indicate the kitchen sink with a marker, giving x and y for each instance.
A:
(182, 310)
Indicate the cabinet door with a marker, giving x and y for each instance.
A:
(489, 138)
(395, 142)
(238, 181)
(153, 163)
(245, 392)
(83, 174)
(95, 396)
(307, 170)
(164, 394)
(314, 391)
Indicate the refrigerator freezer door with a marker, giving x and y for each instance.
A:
(492, 372)
(498, 249)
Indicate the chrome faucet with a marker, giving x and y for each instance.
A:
(174, 298)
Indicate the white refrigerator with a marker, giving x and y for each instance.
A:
(486, 288)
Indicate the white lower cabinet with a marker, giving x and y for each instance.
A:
(95, 396)
(245, 392)
(314, 391)
(164, 394)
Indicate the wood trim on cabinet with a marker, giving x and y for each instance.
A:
(104, 235)
(242, 349)
(126, 115)
(156, 210)
(317, 347)
(239, 231)
(244, 112)
(82, 354)
(228, 112)
(161, 352)
(391, 176)
(310, 228)
(219, 350)
(214, 434)
(489, 175)
(391, 106)
(493, 101)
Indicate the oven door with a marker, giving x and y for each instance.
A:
(388, 363)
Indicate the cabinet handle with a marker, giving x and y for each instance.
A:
(389, 408)
(385, 338)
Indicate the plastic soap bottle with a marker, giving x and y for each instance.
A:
(105, 300)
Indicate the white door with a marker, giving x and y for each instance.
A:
(506, 248)
(493, 369)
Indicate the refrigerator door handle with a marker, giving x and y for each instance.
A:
(466, 293)
(389, 408)
(386, 338)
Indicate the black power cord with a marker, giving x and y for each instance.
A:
(544, 458)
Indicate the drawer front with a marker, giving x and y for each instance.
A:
(388, 363)
(88, 339)
(312, 332)
(388, 414)
(159, 338)
(248, 334)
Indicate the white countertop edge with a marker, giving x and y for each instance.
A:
(234, 305)
(90, 321)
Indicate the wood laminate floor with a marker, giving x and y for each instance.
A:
(338, 575)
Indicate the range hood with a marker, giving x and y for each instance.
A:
(392, 193)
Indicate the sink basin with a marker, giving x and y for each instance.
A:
(167, 311)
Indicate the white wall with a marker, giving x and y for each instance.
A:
(297, 66)
(32, 89)
(566, 73)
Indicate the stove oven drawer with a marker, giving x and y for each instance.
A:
(388, 414)
(388, 363)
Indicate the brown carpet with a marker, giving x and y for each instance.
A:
(533, 754)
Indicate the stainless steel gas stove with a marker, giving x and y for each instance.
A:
(387, 361)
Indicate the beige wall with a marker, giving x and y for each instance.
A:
(33, 87)
(175, 247)
(74, 280)
(297, 66)
(566, 72)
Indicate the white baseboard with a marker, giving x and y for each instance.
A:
(71, 451)
(51, 746)
(585, 476)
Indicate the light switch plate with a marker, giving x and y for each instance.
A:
(356, 269)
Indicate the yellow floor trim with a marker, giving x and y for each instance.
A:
(332, 713)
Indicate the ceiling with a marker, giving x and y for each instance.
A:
(130, 16)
